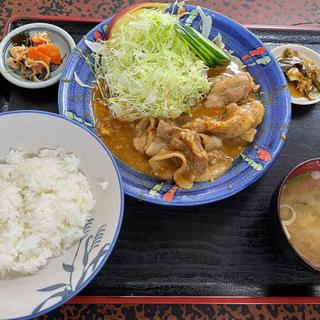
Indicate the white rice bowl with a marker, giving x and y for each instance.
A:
(45, 202)
(56, 264)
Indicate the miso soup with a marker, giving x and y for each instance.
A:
(300, 214)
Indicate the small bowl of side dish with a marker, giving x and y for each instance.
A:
(301, 66)
(297, 202)
(61, 209)
(34, 55)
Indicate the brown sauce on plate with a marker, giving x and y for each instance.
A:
(118, 135)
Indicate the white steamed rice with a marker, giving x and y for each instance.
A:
(44, 203)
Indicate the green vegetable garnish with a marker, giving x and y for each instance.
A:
(209, 52)
(22, 38)
(149, 70)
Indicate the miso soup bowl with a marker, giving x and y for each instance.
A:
(312, 166)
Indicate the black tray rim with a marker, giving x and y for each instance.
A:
(179, 299)
(261, 27)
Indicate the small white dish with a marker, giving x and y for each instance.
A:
(27, 297)
(57, 35)
(304, 52)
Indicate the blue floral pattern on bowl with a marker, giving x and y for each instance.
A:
(254, 161)
(90, 251)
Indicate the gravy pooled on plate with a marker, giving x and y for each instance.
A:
(210, 137)
(118, 136)
(300, 214)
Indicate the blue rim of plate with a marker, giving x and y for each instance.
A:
(246, 169)
(116, 235)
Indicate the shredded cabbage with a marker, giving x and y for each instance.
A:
(148, 70)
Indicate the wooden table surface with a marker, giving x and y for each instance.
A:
(269, 12)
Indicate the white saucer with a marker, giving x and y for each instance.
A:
(304, 52)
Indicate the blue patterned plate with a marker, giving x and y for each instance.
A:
(254, 161)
